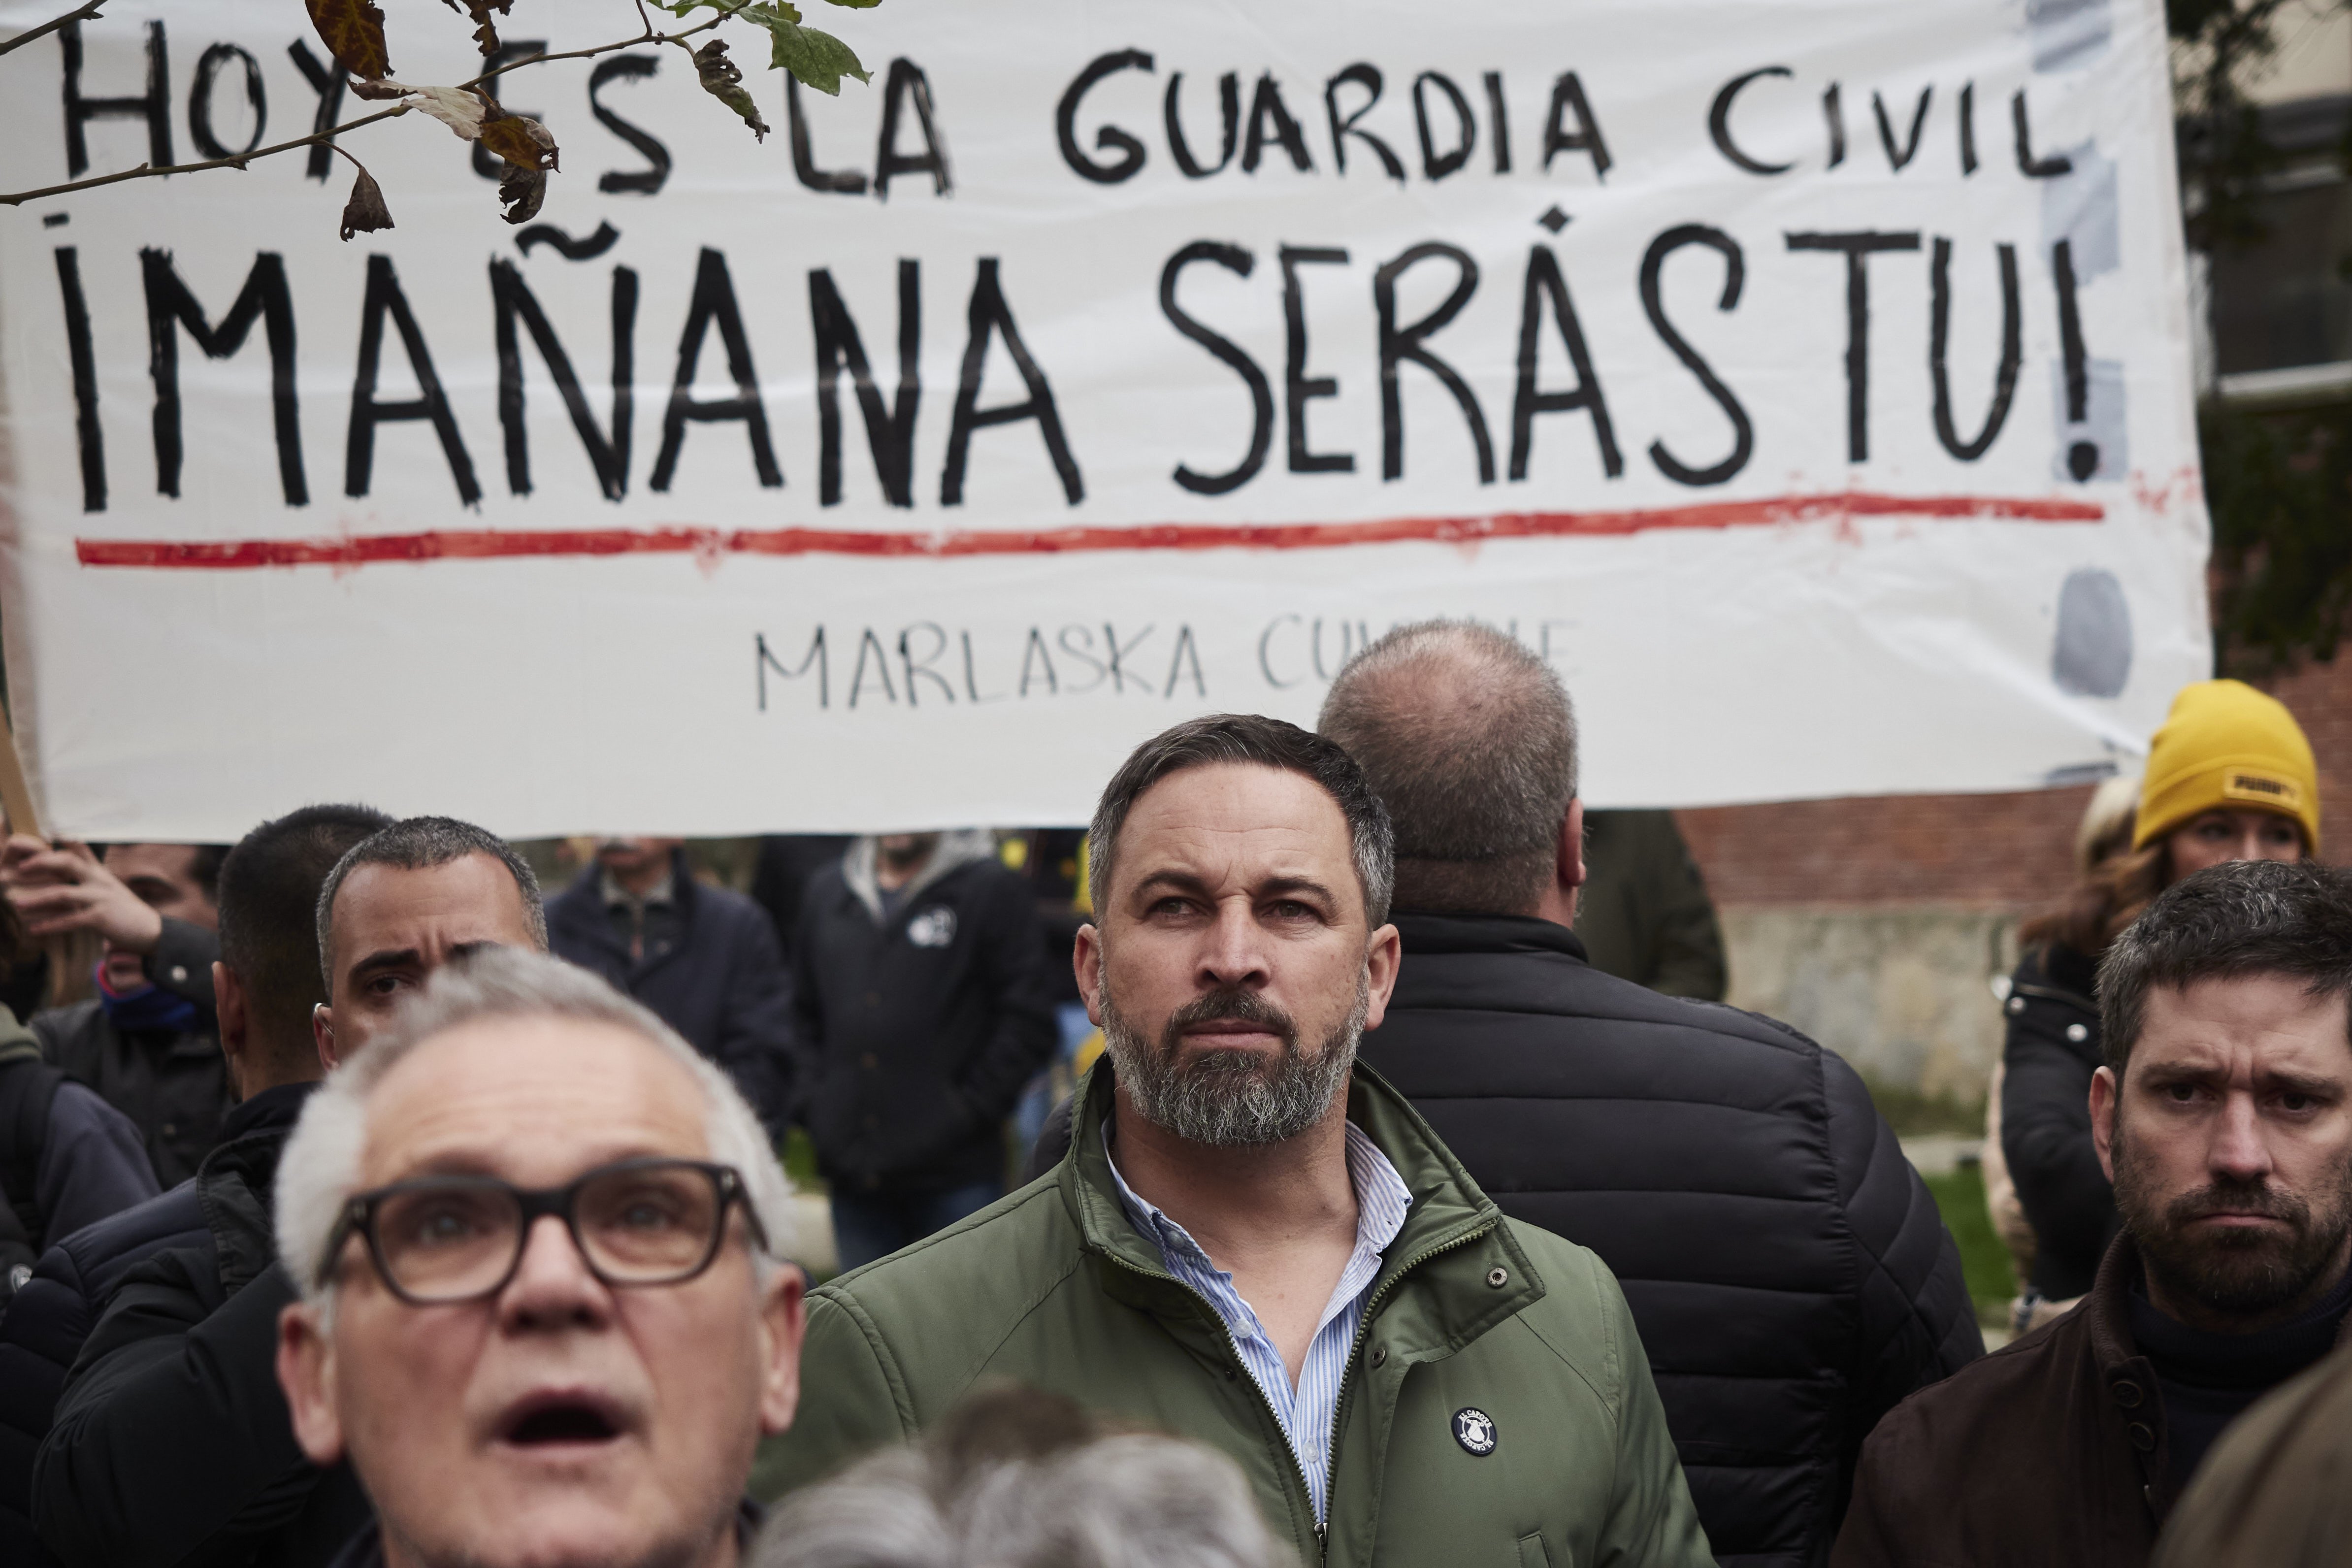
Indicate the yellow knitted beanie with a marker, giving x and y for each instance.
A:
(2228, 746)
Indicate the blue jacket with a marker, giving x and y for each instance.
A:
(721, 982)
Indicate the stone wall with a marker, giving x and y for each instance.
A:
(1876, 925)
(1904, 993)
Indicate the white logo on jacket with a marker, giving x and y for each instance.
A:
(933, 928)
(1475, 1430)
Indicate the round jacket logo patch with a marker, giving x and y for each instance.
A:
(933, 927)
(1475, 1430)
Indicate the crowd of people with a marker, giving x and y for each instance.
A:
(375, 1209)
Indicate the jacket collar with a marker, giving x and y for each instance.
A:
(954, 851)
(1433, 934)
(237, 1184)
(581, 913)
(272, 1110)
(1450, 1216)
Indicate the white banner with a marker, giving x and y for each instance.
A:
(1810, 383)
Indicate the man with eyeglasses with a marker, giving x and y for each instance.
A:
(544, 1311)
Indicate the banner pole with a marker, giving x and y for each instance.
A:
(15, 794)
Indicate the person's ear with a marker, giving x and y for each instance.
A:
(232, 1008)
(1381, 959)
(783, 1321)
(1085, 963)
(306, 1371)
(1570, 868)
(2105, 1092)
(322, 1032)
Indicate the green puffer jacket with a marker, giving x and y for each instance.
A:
(1471, 1313)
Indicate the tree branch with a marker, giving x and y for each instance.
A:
(148, 172)
(649, 37)
(78, 13)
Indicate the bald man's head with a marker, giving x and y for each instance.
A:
(1469, 741)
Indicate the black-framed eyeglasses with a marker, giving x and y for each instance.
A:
(437, 1240)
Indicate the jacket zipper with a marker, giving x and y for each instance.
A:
(1347, 1380)
(1237, 1369)
(1355, 1358)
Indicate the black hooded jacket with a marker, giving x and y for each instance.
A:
(916, 1025)
(2051, 1052)
(1788, 1270)
(171, 1442)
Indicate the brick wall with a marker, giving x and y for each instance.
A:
(1977, 851)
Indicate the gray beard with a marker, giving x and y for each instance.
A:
(1232, 1098)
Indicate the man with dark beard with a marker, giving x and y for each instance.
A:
(1253, 1242)
(2224, 1117)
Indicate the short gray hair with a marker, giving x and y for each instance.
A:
(417, 843)
(1019, 1498)
(1254, 740)
(2247, 917)
(319, 1173)
(1469, 740)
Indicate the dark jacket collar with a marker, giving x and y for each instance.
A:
(1432, 933)
(274, 1110)
(2126, 1373)
(579, 910)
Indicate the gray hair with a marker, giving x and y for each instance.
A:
(319, 1173)
(1469, 740)
(2248, 917)
(1249, 737)
(1126, 1500)
(417, 843)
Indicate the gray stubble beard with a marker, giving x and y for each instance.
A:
(1232, 1098)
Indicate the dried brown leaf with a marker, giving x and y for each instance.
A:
(485, 33)
(518, 139)
(352, 31)
(723, 79)
(365, 212)
(522, 189)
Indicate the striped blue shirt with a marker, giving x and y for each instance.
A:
(1308, 1411)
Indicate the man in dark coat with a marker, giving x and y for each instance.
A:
(921, 1013)
(149, 1042)
(703, 958)
(1787, 1269)
(174, 1399)
(2223, 1115)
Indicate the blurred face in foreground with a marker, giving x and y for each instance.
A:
(1231, 966)
(2230, 1141)
(559, 1422)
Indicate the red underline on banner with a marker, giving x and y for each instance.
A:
(485, 544)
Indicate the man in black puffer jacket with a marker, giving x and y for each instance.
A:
(175, 1299)
(1787, 1269)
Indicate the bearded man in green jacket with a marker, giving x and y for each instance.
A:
(1253, 1242)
